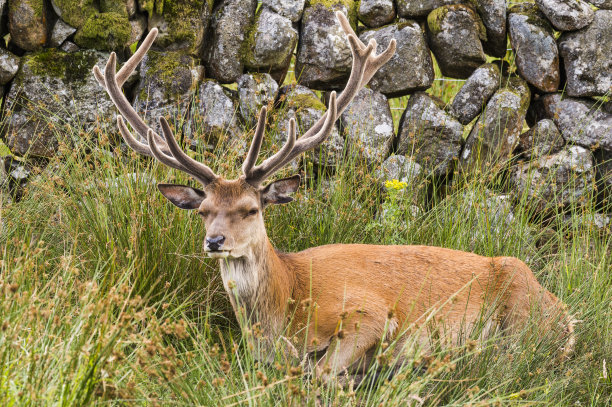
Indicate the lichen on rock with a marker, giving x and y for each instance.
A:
(270, 42)
(52, 89)
(455, 33)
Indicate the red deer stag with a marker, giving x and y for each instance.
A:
(369, 291)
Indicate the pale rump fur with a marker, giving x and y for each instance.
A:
(340, 300)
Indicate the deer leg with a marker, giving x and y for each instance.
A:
(344, 352)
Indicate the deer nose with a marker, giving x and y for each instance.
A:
(214, 243)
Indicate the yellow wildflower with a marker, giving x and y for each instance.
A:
(395, 184)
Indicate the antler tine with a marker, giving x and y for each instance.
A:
(272, 164)
(251, 158)
(130, 140)
(161, 157)
(308, 143)
(365, 65)
(118, 98)
(200, 171)
(131, 64)
(167, 151)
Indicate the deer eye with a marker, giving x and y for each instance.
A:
(252, 212)
(203, 214)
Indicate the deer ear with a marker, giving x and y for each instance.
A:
(277, 192)
(182, 196)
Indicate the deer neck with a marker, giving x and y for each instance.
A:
(258, 284)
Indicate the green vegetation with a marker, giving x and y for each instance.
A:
(70, 67)
(172, 69)
(104, 31)
(106, 299)
(183, 19)
(76, 12)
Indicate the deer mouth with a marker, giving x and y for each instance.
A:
(218, 254)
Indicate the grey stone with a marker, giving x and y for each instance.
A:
(411, 68)
(324, 57)
(493, 14)
(430, 135)
(475, 93)
(375, 13)
(9, 65)
(168, 82)
(533, 41)
(496, 133)
(183, 25)
(420, 8)
(300, 103)
(139, 26)
(454, 34)
(591, 221)
(368, 125)
(292, 9)
(271, 42)
(254, 91)
(217, 111)
(131, 6)
(488, 215)
(581, 121)
(603, 167)
(17, 170)
(229, 25)
(399, 167)
(540, 140)
(61, 32)
(603, 4)
(562, 179)
(566, 15)
(54, 89)
(27, 21)
(587, 56)
(69, 47)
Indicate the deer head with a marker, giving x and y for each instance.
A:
(233, 209)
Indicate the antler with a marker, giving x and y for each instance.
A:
(365, 65)
(165, 150)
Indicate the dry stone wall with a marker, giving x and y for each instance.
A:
(226, 58)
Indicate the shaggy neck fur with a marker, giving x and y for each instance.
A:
(258, 285)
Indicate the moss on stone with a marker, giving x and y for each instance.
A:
(169, 69)
(38, 6)
(68, 67)
(104, 31)
(350, 5)
(519, 87)
(305, 101)
(151, 6)
(248, 45)
(76, 12)
(180, 16)
(435, 18)
(113, 6)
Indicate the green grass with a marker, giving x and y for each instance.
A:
(106, 299)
